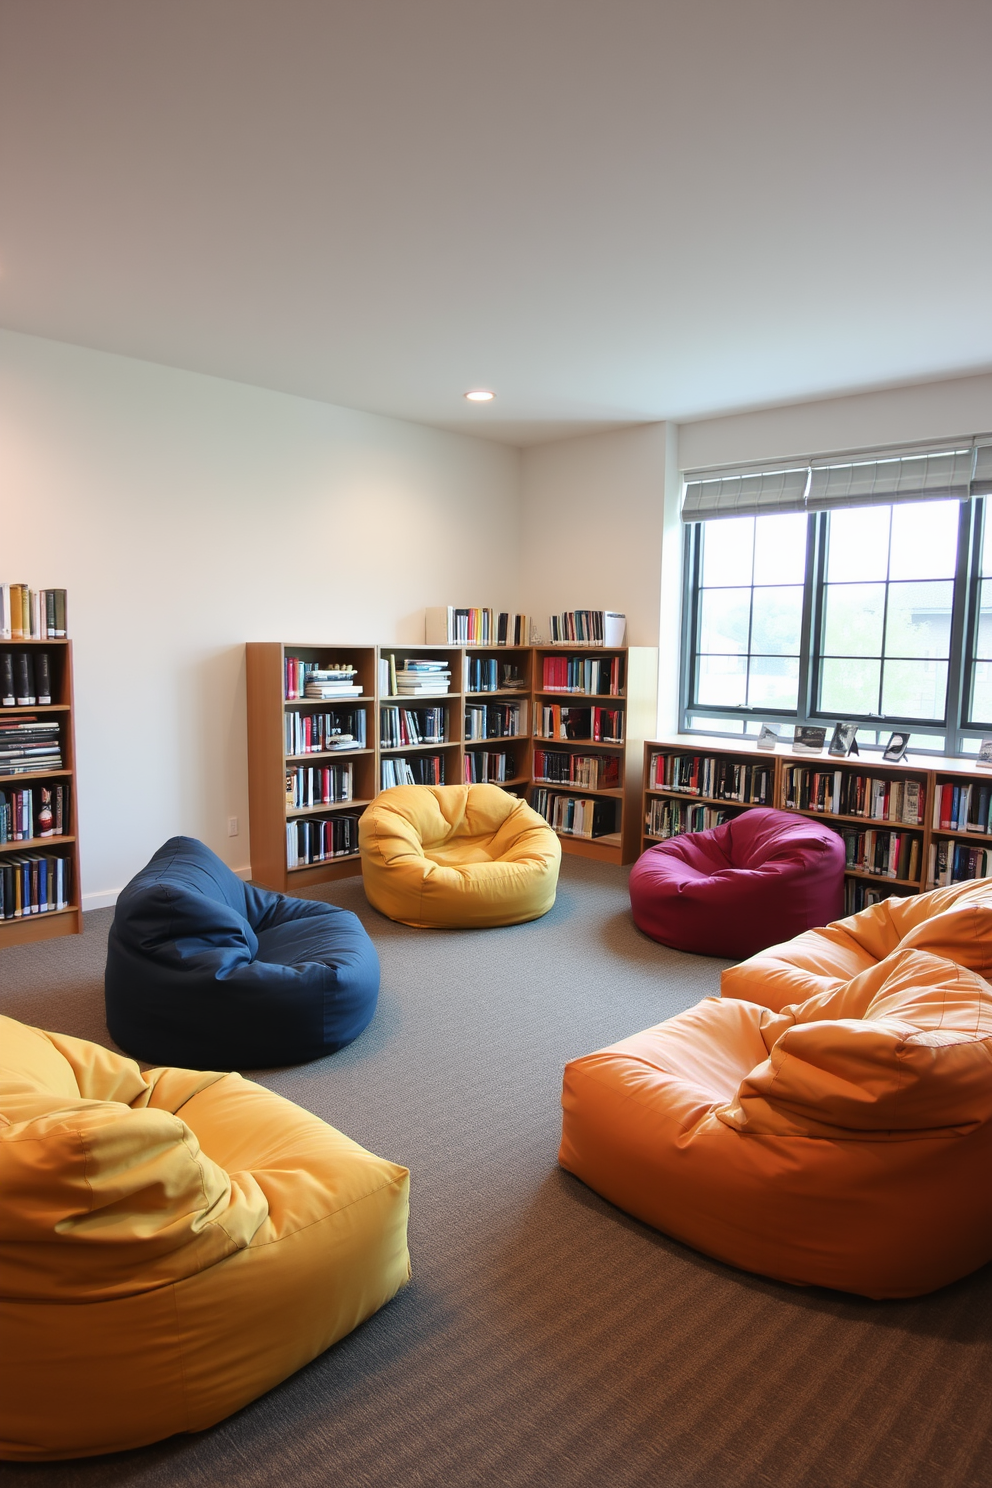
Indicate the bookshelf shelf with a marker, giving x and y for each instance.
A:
(49, 924)
(931, 851)
(269, 762)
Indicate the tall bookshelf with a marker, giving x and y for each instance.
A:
(69, 921)
(896, 836)
(487, 724)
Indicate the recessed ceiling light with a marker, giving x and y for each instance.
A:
(480, 395)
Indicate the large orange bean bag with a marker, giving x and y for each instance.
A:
(845, 1141)
(457, 857)
(172, 1244)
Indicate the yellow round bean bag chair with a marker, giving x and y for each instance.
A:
(844, 1141)
(172, 1244)
(457, 856)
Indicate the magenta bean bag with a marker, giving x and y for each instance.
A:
(760, 879)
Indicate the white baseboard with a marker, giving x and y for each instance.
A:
(107, 898)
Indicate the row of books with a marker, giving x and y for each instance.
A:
(33, 883)
(489, 766)
(399, 726)
(319, 733)
(25, 678)
(315, 839)
(29, 744)
(318, 680)
(319, 785)
(415, 676)
(28, 614)
(596, 676)
(860, 895)
(447, 625)
(844, 793)
(419, 769)
(588, 628)
(495, 720)
(33, 812)
(963, 808)
(576, 816)
(957, 862)
(490, 674)
(889, 854)
(599, 725)
(671, 818)
(713, 775)
(586, 771)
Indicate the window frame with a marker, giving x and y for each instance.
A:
(957, 726)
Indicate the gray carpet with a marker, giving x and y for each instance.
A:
(546, 1339)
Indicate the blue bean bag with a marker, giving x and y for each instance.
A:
(206, 972)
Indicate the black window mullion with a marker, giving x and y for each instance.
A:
(964, 620)
(691, 576)
(750, 622)
(810, 640)
(885, 622)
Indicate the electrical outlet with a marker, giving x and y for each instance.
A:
(232, 826)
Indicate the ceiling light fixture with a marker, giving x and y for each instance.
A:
(480, 395)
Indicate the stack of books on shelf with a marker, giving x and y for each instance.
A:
(446, 625)
(587, 628)
(402, 726)
(320, 733)
(308, 679)
(595, 676)
(493, 721)
(28, 744)
(843, 793)
(576, 816)
(586, 771)
(887, 854)
(424, 676)
(29, 813)
(963, 808)
(488, 766)
(316, 785)
(314, 840)
(422, 769)
(25, 679)
(28, 614)
(33, 883)
(666, 819)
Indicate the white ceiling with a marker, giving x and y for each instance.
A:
(607, 210)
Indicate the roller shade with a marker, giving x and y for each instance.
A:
(743, 493)
(912, 476)
(981, 483)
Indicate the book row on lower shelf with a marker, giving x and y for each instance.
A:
(316, 785)
(585, 771)
(576, 816)
(849, 793)
(489, 766)
(35, 811)
(594, 676)
(418, 769)
(318, 839)
(400, 726)
(600, 725)
(955, 862)
(319, 733)
(887, 854)
(714, 776)
(495, 720)
(34, 884)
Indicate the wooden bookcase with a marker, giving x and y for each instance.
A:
(56, 922)
(459, 751)
(900, 856)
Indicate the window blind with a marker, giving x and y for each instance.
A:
(950, 471)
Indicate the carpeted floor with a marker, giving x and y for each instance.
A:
(546, 1339)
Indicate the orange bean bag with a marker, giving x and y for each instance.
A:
(844, 1141)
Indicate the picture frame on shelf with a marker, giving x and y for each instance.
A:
(808, 739)
(768, 737)
(895, 751)
(843, 741)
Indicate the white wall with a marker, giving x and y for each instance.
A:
(186, 515)
(933, 410)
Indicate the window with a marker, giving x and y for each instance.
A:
(857, 588)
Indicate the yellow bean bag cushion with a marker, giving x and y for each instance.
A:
(457, 856)
(955, 922)
(844, 1142)
(172, 1244)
